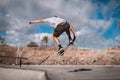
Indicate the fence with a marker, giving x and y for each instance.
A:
(13, 54)
(19, 59)
(10, 55)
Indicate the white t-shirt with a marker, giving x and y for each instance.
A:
(54, 21)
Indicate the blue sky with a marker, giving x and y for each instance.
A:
(112, 32)
(45, 29)
(95, 21)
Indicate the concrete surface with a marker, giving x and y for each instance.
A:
(17, 74)
(81, 72)
(73, 72)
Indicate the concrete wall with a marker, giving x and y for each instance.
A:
(17, 74)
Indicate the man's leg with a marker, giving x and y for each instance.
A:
(68, 34)
(57, 41)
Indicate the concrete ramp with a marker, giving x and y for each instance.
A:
(60, 72)
(18, 74)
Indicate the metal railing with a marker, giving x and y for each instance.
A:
(18, 58)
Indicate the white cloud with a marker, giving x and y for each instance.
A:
(50, 4)
(16, 38)
(104, 24)
(17, 13)
(117, 40)
(89, 38)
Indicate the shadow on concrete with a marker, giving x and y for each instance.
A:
(82, 69)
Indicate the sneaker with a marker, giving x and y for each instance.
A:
(60, 48)
(61, 52)
(70, 43)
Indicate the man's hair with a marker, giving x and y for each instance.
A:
(55, 16)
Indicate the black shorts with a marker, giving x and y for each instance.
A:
(64, 26)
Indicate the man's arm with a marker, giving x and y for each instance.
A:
(36, 21)
(72, 29)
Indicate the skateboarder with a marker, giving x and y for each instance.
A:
(60, 25)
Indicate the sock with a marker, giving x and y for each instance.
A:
(59, 46)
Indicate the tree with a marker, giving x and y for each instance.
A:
(45, 39)
(2, 40)
(2, 37)
(32, 44)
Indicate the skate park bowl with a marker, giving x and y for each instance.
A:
(60, 72)
(19, 74)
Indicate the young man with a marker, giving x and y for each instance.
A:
(60, 25)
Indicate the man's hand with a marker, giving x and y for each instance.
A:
(31, 22)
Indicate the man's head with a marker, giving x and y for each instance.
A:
(55, 16)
